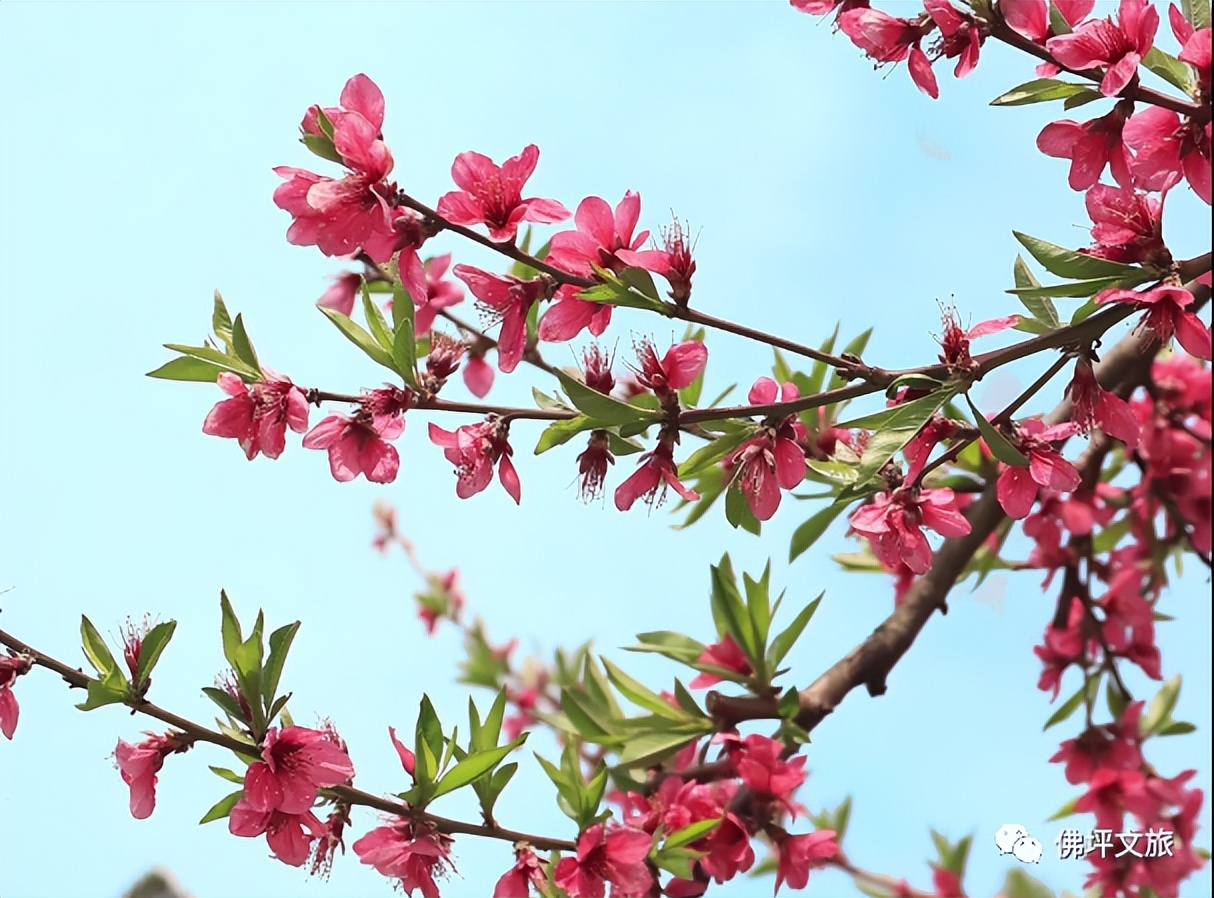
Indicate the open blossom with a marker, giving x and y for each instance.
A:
(1031, 19)
(357, 444)
(890, 39)
(1168, 315)
(960, 35)
(758, 762)
(11, 667)
(507, 299)
(727, 654)
(441, 293)
(410, 852)
(893, 523)
(356, 212)
(1126, 226)
(607, 855)
(801, 853)
(1094, 406)
(474, 449)
(295, 762)
(1111, 747)
(602, 238)
(1017, 487)
(290, 836)
(655, 472)
(1091, 146)
(772, 459)
(258, 414)
(493, 195)
(526, 872)
(678, 368)
(1167, 147)
(1117, 47)
(139, 764)
(955, 341)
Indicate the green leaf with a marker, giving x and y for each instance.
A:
(999, 445)
(1067, 263)
(229, 628)
(640, 695)
(218, 359)
(188, 369)
(758, 604)
(229, 705)
(1084, 312)
(600, 407)
(280, 645)
(1063, 812)
(783, 643)
(430, 739)
(404, 352)
(1082, 99)
(856, 348)
(1079, 288)
(360, 338)
(243, 347)
(907, 416)
(1039, 306)
(375, 321)
(222, 808)
(95, 648)
(110, 690)
(153, 644)
(1170, 69)
(1069, 707)
(324, 148)
(707, 456)
(224, 773)
(221, 322)
(560, 432)
(728, 612)
(1197, 12)
(1114, 698)
(1176, 728)
(1058, 23)
(1020, 885)
(818, 370)
(1159, 711)
(474, 766)
(913, 382)
(809, 532)
(1040, 90)
(649, 749)
(675, 646)
(691, 833)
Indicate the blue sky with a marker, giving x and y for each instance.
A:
(136, 179)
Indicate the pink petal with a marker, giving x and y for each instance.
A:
(594, 217)
(683, 363)
(363, 96)
(326, 433)
(460, 208)
(790, 463)
(1016, 491)
(471, 169)
(626, 215)
(566, 319)
(763, 392)
(509, 478)
(1193, 335)
(921, 73)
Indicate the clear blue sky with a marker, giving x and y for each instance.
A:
(135, 178)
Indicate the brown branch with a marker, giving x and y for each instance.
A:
(76, 678)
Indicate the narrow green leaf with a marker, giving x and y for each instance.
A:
(809, 532)
(675, 646)
(691, 833)
(640, 695)
(600, 407)
(1040, 90)
(222, 808)
(913, 382)
(95, 648)
(188, 369)
(783, 643)
(229, 628)
(1177, 728)
(907, 416)
(110, 690)
(560, 432)
(218, 359)
(1159, 711)
(1040, 307)
(707, 456)
(1197, 12)
(1079, 289)
(376, 322)
(474, 766)
(999, 445)
(280, 645)
(224, 773)
(1067, 263)
(243, 346)
(649, 749)
(1067, 708)
(221, 322)
(360, 338)
(1082, 99)
(1170, 69)
(324, 148)
(153, 645)
(229, 705)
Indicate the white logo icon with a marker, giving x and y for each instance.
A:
(1027, 850)
(1014, 839)
(1006, 836)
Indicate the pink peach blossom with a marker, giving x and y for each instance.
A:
(493, 195)
(258, 414)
